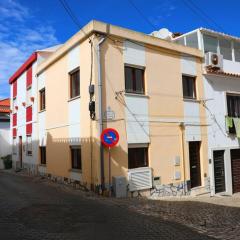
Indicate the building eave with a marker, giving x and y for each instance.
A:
(23, 68)
(119, 32)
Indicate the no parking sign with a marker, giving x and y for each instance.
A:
(109, 137)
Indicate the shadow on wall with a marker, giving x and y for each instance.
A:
(59, 162)
(5, 146)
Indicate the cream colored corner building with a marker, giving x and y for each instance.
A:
(169, 130)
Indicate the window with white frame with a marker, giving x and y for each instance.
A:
(29, 145)
(236, 46)
(180, 41)
(210, 44)
(76, 157)
(192, 40)
(225, 48)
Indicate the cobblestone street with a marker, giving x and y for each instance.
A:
(34, 208)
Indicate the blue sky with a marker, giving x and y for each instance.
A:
(27, 25)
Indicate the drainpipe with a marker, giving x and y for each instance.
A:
(182, 128)
(100, 110)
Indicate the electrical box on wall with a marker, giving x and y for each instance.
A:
(177, 175)
(177, 161)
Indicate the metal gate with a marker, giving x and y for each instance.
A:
(235, 158)
(219, 172)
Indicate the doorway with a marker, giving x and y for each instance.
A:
(235, 159)
(195, 168)
(20, 151)
(219, 171)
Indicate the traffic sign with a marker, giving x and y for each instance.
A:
(109, 137)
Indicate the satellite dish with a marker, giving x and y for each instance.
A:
(163, 33)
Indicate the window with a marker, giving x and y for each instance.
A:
(42, 100)
(210, 44)
(29, 77)
(76, 157)
(134, 80)
(75, 83)
(29, 114)
(180, 41)
(14, 123)
(43, 158)
(237, 51)
(233, 106)
(225, 48)
(137, 157)
(189, 87)
(29, 145)
(14, 147)
(192, 40)
(15, 89)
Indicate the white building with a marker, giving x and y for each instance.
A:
(25, 118)
(222, 99)
(5, 145)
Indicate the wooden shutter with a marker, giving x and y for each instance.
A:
(29, 114)
(29, 77)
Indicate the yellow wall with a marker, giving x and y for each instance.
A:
(164, 88)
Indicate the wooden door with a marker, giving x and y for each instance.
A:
(195, 168)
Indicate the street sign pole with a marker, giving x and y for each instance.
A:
(109, 171)
(109, 138)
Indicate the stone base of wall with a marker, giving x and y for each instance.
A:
(64, 180)
(29, 168)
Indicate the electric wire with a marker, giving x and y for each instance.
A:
(201, 14)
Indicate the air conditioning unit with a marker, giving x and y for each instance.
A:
(140, 179)
(214, 60)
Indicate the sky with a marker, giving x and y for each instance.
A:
(29, 25)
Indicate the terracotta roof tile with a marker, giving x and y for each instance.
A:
(219, 72)
(5, 105)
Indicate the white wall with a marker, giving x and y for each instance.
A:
(74, 58)
(42, 135)
(74, 121)
(21, 116)
(134, 54)
(137, 119)
(218, 139)
(231, 66)
(5, 142)
(191, 107)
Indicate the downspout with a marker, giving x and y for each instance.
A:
(182, 128)
(100, 110)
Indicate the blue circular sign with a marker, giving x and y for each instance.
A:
(109, 137)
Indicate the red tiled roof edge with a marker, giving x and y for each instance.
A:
(5, 102)
(219, 72)
(5, 105)
(25, 65)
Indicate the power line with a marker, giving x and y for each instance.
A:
(206, 15)
(201, 14)
(70, 13)
(141, 13)
(73, 17)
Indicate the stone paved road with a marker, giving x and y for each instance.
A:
(31, 209)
